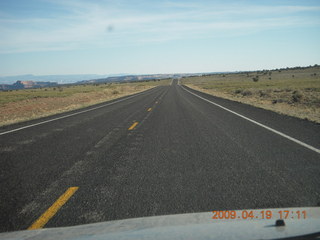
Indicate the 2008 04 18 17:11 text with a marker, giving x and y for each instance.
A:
(259, 214)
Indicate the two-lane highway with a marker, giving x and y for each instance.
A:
(167, 150)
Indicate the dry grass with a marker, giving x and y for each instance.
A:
(294, 92)
(27, 104)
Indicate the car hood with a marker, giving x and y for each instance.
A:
(187, 226)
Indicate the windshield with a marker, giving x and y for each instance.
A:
(115, 110)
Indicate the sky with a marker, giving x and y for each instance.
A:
(44, 37)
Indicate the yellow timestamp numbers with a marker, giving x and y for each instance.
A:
(260, 214)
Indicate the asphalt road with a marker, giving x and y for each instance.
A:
(183, 154)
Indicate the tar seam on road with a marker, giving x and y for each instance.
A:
(133, 126)
(51, 211)
(259, 124)
(73, 114)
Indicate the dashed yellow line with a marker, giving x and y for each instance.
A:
(149, 109)
(51, 211)
(133, 126)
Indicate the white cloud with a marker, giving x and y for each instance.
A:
(86, 24)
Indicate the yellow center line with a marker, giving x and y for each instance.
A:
(149, 109)
(51, 211)
(133, 126)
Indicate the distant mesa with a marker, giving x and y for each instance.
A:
(26, 84)
(23, 82)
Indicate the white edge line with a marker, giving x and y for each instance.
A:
(259, 124)
(72, 114)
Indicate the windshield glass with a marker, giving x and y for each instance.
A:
(114, 110)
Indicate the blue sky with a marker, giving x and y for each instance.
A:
(44, 37)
